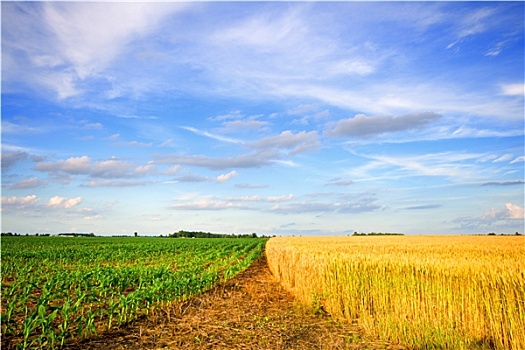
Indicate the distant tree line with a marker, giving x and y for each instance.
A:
(11, 234)
(200, 234)
(378, 234)
(502, 234)
(180, 234)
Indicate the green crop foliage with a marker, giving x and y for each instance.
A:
(56, 289)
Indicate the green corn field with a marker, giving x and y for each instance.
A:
(55, 289)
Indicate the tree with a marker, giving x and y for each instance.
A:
(136, 233)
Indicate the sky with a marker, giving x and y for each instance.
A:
(279, 118)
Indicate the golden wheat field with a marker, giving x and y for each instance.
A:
(431, 292)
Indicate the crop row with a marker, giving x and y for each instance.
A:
(55, 289)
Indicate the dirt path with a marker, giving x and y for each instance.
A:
(251, 311)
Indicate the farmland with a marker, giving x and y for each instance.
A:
(455, 292)
(420, 292)
(55, 289)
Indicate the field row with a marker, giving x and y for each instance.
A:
(424, 292)
(55, 289)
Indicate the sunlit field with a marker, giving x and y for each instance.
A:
(459, 292)
(56, 289)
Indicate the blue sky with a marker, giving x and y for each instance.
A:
(309, 118)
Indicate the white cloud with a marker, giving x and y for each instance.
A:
(106, 169)
(226, 177)
(73, 165)
(91, 35)
(93, 217)
(513, 89)
(145, 169)
(493, 218)
(515, 211)
(172, 170)
(254, 198)
(19, 202)
(58, 202)
(493, 214)
(283, 198)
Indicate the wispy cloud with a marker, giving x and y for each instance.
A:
(458, 166)
(12, 128)
(65, 44)
(519, 159)
(472, 24)
(506, 183)
(340, 182)
(503, 158)
(211, 135)
(357, 206)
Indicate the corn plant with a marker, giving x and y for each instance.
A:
(56, 290)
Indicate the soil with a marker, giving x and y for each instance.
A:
(250, 311)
